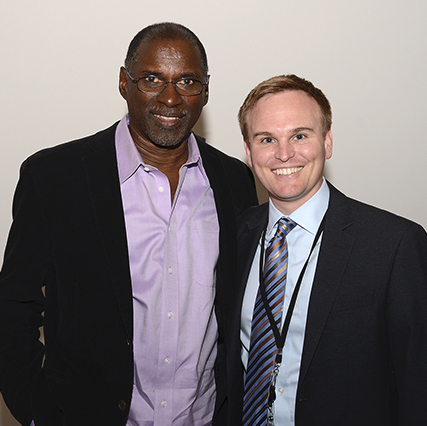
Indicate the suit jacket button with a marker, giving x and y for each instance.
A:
(122, 405)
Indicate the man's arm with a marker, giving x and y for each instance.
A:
(25, 271)
(407, 325)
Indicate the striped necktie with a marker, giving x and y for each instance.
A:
(263, 346)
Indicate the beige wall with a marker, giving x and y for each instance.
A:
(60, 62)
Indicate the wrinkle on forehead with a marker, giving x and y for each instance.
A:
(171, 57)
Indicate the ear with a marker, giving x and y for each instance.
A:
(123, 83)
(248, 153)
(205, 101)
(328, 145)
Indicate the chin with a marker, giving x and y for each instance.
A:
(168, 141)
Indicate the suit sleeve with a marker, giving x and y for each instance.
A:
(407, 325)
(25, 271)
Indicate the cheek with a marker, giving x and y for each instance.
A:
(193, 103)
(256, 159)
(248, 156)
(313, 153)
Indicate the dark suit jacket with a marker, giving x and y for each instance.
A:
(364, 359)
(69, 234)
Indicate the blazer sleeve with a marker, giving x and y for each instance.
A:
(407, 325)
(25, 270)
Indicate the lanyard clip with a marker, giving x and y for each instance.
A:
(275, 373)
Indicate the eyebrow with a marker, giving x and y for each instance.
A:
(262, 134)
(159, 74)
(302, 129)
(296, 130)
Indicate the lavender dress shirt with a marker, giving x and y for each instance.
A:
(173, 250)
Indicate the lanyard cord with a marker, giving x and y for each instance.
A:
(281, 337)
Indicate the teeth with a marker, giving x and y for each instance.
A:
(287, 171)
(164, 117)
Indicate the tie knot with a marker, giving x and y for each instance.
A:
(285, 225)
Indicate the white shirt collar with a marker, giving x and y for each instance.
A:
(308, 216)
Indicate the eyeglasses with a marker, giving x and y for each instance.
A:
(184, 86)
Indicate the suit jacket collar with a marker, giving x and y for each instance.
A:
(250, 226)
(224, 202)
(334, 253)
(104, 186)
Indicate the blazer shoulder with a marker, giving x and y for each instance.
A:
(252, 218)
(228, 175)
(367, 219)
(75, 149)
(207, 150)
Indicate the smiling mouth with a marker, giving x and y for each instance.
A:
(167, 119)
(287, 171)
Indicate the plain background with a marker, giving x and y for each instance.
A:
(59, 81)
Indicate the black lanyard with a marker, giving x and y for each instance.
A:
(281, 337)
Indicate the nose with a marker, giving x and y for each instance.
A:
(285, 150)
(169, 96)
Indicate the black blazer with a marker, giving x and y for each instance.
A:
(68, 234)
(364, 359)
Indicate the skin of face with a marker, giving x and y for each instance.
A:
(164, 119)
(287, 148)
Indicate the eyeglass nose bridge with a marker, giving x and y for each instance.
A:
(165, 83)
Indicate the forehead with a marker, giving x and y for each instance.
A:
(291, 108)
(168, 55)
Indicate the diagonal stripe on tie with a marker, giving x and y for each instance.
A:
(263, 346)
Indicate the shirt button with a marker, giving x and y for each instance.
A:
(161, 189)
(167, 360)
(281, 390)
(170, 270)
(163, 403)
(146, 169)
(170, 314)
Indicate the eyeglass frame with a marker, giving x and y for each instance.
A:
(136, 81)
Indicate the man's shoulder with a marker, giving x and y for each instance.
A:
(210, 152)
(369, 219)
(252, 218)
(228, 175)
(73, 150)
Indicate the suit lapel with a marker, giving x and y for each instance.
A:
(217, 176)
(251, 225)
(334, 253)
(248, 238)
(104, 188)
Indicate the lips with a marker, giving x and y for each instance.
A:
(287, 171)
(167, 120)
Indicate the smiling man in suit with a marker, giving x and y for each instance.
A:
(126, 240)
(343, 282)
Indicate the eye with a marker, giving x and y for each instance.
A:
(185, 82)
(267, 140)
(151, 80)
(299, 137)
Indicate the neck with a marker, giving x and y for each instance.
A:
(168, 160)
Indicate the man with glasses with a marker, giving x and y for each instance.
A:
(126, 241)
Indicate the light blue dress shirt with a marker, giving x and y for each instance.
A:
(300, 240)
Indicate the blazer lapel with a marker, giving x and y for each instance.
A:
(248, 238)
(251, 225)
(104, 187)
(335, 250)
